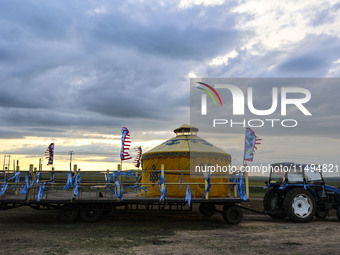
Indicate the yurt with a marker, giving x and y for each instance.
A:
(183, 152)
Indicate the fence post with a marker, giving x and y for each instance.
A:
(235, 190)
(16, 192)
(30, 173)
(52, 174)
(206, 182)
(163, 175)
(119, 179)
(247, 184)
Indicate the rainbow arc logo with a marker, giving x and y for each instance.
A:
(209, 93)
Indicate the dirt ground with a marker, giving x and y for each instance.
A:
(26, 231)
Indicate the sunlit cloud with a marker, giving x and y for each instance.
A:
(191, 3)
(192, 75)
(223, 60)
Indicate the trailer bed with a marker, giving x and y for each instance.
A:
(66, 196)
(89, 195)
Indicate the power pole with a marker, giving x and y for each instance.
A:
(71, 153)
(7, 162)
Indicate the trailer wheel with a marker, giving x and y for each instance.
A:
(338, 212)
(299, 205)
(232, 214)
(321, 214)
(272, 204)
(68, 213)
(207, 209)
(91, 213)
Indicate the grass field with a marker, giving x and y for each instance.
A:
(25, 231)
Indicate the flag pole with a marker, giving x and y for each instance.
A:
(244, 167)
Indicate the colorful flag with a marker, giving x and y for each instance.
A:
(50, 154)
(124, 151)
(138, 157)
(251, 141)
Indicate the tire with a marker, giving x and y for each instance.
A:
(91, 213)
(321, 214)
(338, 212)
(232, 214)
(272, 204)
(299, 205)
(207, 209)
(68, 213)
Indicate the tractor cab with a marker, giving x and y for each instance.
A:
(291, 173)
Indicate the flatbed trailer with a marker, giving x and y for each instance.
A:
(93, 197)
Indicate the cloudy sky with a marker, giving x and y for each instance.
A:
(75, 72)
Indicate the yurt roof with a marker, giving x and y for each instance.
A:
(186, 140)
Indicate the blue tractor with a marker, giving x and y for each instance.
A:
(298, 191)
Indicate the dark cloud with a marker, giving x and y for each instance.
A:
(85, 65)
(302, 64)
(313, 57)
(168, 40)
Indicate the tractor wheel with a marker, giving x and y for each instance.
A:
(338, 212)
(91, 213)
(299, 205)
(207, 209)
(272, 204)
(68, 213)
(321, 214)
(232, 214)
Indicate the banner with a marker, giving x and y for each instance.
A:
(138, 157)
(124, 151)
(50, 154)
(251, 140)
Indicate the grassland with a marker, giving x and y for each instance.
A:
(25, 231)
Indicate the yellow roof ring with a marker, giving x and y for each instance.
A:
(186, 129)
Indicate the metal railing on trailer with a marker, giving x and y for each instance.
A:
(90, 194)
